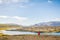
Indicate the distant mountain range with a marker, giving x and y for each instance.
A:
(51, 23)
(10, 25)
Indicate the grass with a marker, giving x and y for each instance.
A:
(29, 37)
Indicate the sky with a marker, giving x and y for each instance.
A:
(29, 12)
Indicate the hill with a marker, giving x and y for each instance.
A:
(51, 23)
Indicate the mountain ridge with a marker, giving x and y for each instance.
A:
(51, 23)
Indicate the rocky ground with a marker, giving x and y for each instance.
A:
(29, 37)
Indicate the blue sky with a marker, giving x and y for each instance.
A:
(29, 12)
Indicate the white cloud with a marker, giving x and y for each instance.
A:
(23, 6)
(56, 19)
(20, 0)
(6, 1)
(1, 1)
(52, 19)
(24, 0)
(13, 1)
(49, 1)
(22, 3)
(20, 18)
(14, 17)
(3, 16)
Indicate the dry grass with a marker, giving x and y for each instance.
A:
(30, 37)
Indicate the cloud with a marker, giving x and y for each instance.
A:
(1, 1)
(3, 16)
(14, 17)
(20, 0)
(20, 18)
(49, 1)
(22, 3)
(56, 19)
(22, 6)
(13, 1)
(52, 19)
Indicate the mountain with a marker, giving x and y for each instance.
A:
(10, 25)
(51, 23)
